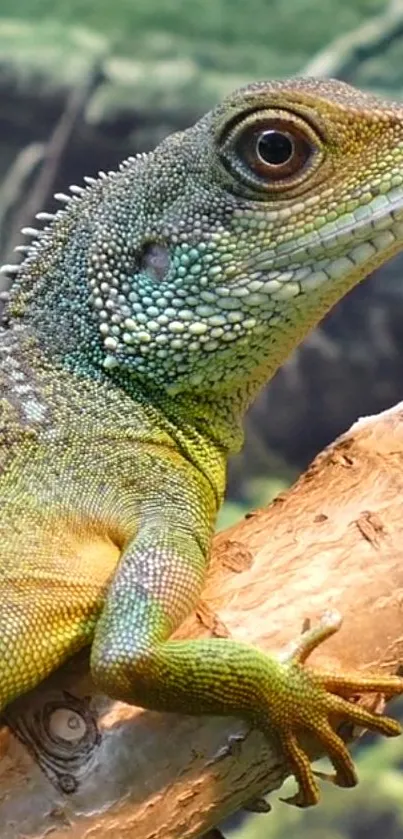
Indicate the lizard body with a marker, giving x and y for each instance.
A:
(142, 322)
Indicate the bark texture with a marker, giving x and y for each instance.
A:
(335, 540)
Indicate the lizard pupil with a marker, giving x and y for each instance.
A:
(275, 147)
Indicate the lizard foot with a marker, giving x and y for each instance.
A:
(317, 696)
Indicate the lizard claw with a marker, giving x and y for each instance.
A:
(307, 794)
(315, 696)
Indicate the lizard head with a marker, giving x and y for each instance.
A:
(199, 266)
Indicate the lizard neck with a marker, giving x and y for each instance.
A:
(118, 403)
(197, 415)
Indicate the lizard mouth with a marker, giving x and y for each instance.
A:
(378, 224)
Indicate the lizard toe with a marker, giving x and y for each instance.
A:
(308, 793)
(338, 754)
(347, 684)
(363, 717)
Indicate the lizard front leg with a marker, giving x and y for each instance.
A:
(133, 659)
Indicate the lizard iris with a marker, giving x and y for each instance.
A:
(142, 321)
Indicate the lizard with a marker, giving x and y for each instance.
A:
(146, 314)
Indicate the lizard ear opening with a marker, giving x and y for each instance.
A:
(270, 150)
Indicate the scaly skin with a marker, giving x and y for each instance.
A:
(142, 322)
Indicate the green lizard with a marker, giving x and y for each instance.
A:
(144, 318)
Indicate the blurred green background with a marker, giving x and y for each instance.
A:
(84, 83)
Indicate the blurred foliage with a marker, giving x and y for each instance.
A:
(259, 493)
(177, 58)
(271, 34)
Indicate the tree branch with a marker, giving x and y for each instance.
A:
(334, 540)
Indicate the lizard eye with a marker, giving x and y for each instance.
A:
(276, 152)
(271, 153)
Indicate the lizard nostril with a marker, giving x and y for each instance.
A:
(155, 261)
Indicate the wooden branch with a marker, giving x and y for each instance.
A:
(334, 540)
